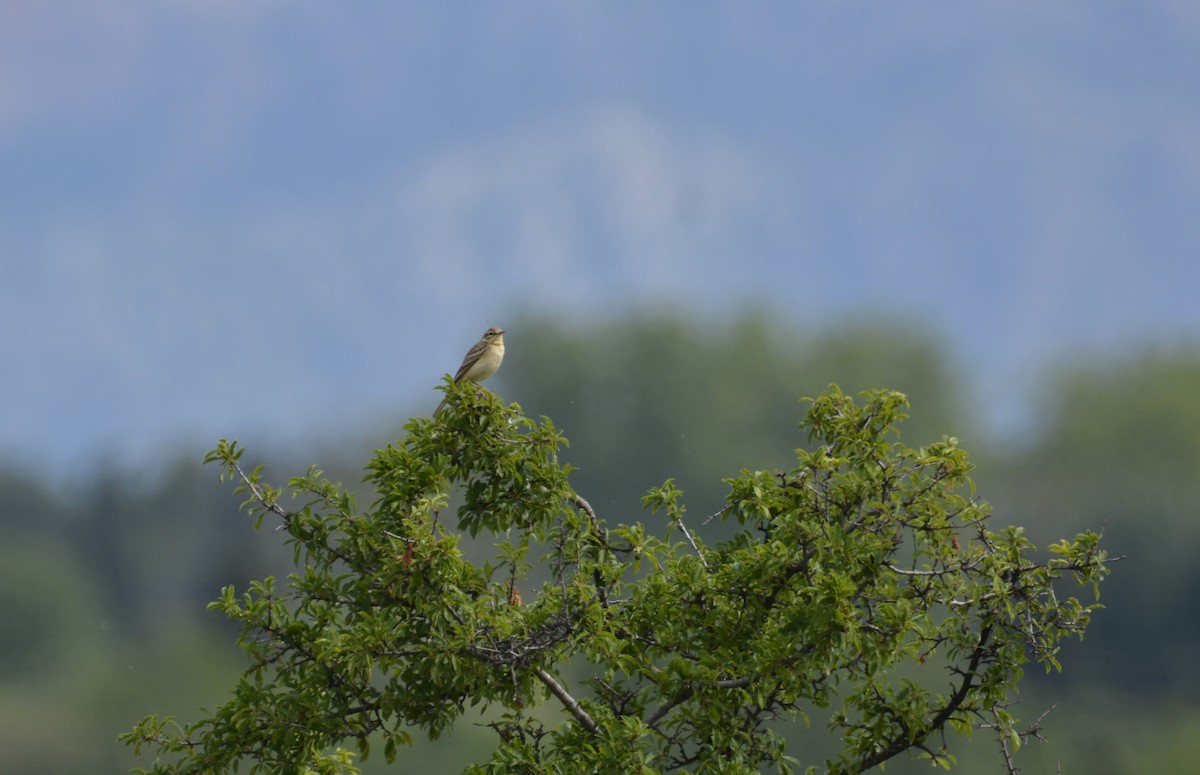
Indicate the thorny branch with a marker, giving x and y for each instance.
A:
(1034, 730)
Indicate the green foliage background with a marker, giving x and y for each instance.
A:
(104, 582)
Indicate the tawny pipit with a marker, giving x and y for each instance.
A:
(482, 359)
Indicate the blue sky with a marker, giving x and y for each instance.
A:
(222, 216)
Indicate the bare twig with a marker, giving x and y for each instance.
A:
(1034, 730)
(688, 535)
(904, 572)
(270, 505)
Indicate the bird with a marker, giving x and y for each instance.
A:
(481, 360)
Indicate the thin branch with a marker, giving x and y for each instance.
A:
(688, 535)
(735, 683)
(686, 693)
(720, 512)
(1034, 730)
(270, 505)
(906, 572)
(578, 501)
(601, 538)
(681, 697)
(567, 700)
(906, 741)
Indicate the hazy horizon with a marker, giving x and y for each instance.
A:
(220, 216)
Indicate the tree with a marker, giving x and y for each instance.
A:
(862, 587)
